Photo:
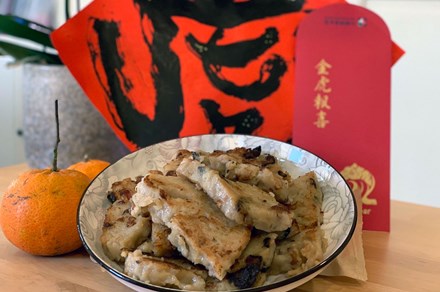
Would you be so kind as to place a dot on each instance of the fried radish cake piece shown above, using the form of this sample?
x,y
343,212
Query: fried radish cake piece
x,y
121,230
158,244
298,253
250,268
123,190
240,202
175,273
199,230
306,200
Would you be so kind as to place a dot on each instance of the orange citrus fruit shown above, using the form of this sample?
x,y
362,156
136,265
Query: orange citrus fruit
x,y
91,168
38,211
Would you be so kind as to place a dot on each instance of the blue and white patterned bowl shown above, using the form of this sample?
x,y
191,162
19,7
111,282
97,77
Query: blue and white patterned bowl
x,y
339,204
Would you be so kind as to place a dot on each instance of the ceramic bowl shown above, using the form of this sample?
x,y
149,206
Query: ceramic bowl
x,y
338,206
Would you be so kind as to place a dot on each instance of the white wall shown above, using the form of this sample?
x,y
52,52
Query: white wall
x,y
415,162
12,148
73,9
415,25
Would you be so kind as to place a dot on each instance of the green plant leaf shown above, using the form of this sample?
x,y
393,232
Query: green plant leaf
x,y
25,29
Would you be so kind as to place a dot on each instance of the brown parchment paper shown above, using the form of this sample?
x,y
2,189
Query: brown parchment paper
x,y
351,261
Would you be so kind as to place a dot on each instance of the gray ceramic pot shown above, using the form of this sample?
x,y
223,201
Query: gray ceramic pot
x,y
83,131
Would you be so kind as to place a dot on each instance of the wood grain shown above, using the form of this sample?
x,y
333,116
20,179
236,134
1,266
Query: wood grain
x,y
406,259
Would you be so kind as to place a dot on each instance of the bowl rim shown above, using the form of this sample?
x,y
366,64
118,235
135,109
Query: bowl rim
x,y
267,287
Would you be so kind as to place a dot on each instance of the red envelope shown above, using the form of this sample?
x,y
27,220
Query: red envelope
x,y
342,100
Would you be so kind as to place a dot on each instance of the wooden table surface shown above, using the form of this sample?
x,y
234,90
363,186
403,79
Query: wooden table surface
x,y
407,259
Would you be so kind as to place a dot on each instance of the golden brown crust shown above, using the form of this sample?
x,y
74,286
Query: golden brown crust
x,y
123,190
306,199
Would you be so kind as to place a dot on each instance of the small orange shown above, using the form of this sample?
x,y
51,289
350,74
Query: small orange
x,y
38,211
91,168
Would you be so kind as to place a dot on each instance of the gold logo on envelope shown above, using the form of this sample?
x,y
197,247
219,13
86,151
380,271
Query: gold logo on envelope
x,y
361,181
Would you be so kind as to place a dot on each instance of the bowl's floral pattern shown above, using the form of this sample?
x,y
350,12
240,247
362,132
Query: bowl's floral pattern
x,y
338,206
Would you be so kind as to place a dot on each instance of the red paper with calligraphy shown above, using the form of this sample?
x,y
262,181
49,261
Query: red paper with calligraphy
x,y
160,69
342,101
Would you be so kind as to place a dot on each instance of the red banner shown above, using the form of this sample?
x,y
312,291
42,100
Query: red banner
x,y
161,69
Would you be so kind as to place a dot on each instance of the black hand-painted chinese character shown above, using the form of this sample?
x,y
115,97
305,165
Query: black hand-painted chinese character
x,y
169,112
